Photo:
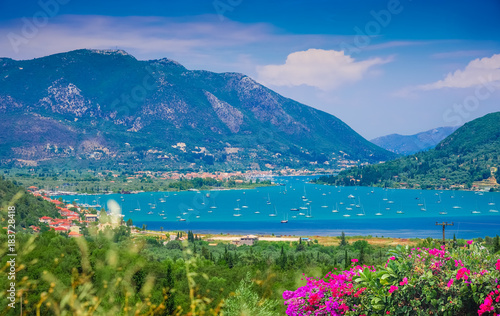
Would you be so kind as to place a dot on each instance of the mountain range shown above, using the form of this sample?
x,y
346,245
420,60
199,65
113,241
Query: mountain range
x,y
410,144
106,107
468,158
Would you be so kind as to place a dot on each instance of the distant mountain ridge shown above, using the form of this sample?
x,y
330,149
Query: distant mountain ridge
x,y
411,144
105,106
468,158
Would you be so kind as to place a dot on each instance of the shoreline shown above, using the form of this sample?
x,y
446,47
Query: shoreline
x,y
137,192
392,188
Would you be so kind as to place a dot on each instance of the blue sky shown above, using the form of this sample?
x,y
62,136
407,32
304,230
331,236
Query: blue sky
x,y
381,66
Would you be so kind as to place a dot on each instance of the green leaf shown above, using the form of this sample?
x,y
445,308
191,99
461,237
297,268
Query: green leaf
x,y
378,307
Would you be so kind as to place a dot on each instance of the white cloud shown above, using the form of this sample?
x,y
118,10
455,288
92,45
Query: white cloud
x,y
480,71
144,37
323,69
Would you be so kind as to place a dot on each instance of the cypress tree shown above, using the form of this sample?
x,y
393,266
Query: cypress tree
x,y
343,242
170,302
346,264
362,255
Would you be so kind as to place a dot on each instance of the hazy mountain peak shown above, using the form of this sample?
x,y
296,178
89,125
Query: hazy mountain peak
x,y
109,52
410,144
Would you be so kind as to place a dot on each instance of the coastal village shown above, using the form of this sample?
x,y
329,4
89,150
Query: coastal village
x,y
72,216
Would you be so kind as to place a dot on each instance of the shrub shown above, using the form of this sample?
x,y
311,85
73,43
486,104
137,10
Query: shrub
x,y
416,281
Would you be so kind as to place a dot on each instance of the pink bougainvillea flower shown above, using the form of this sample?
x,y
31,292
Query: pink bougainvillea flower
x,y
354,260
497,265
450,283
393,288
404,282
463,273
469,242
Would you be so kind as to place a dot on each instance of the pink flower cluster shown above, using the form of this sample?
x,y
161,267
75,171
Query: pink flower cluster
x,y
489,301
463,273
325,296
338,294
393,288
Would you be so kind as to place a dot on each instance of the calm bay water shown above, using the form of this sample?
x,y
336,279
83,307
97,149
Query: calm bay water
x,y
359,210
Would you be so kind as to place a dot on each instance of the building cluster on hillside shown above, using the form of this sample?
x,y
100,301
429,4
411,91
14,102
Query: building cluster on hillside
x,y
221,175
72,216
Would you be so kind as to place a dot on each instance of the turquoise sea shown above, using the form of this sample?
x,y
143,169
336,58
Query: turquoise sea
x,y
322,210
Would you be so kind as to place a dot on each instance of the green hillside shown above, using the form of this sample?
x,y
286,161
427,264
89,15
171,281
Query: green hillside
x,y
469,157
28,208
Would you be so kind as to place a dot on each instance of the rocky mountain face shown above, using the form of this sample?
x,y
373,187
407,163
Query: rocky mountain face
x,y
93,105
411,144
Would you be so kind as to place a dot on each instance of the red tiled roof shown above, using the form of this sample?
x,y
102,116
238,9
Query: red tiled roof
x,y
59,228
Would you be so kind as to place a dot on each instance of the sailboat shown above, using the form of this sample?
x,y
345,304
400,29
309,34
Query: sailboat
x,y
268,200
476,210
309,215
424,208
237,208
304,197
245,206
138,207
275,213
213,207
362,212
336,209
285,219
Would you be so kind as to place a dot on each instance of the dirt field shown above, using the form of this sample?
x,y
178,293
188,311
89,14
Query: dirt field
x,y
323,240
